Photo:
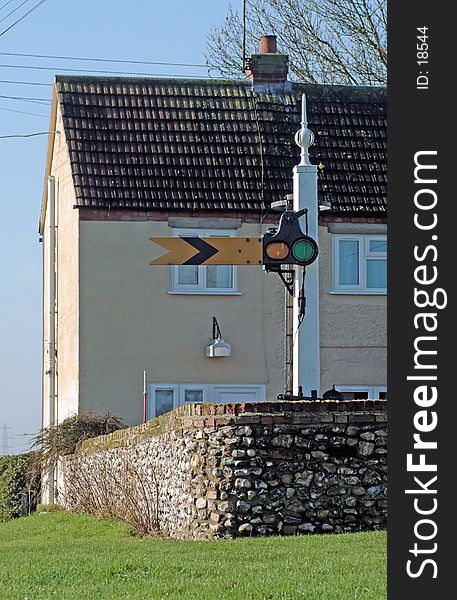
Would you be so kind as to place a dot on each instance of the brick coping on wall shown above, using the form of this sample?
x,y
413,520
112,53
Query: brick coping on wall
x,y
195,416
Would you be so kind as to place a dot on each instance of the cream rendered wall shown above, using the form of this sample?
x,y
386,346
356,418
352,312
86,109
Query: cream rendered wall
x,y
119,307
353,330
130,323
67,283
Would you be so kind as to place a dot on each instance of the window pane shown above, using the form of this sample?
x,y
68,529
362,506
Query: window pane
x,y
188,275
377,274
219,277
349,262
164,401
193,395
360,395
378,245
355,395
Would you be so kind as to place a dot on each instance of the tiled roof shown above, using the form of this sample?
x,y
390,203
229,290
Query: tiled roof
x,y
160,144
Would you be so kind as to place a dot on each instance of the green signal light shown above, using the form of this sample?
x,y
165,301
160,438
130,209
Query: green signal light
x,y
303,250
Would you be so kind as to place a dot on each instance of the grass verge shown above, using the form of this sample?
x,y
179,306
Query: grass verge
x,y
59,556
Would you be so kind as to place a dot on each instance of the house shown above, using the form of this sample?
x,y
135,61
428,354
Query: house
x,y
131,158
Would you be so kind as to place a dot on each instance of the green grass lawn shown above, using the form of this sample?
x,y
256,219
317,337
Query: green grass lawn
x,y
66,557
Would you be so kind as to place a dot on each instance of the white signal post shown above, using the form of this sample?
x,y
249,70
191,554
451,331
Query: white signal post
x,y
306,354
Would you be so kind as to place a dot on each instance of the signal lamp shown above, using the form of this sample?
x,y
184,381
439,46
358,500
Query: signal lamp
x,y
277,250
288,245
304,249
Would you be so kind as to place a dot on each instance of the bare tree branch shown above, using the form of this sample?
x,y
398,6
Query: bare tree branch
x,y
328,41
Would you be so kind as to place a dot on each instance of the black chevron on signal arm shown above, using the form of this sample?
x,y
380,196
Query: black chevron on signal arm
x,y
205,250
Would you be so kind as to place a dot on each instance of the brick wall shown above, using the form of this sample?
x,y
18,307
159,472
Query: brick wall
x,y
226,470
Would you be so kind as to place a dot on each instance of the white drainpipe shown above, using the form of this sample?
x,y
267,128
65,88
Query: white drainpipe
x,y
51,345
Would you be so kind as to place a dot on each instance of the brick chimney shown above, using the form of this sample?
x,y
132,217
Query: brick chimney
x,y
268,69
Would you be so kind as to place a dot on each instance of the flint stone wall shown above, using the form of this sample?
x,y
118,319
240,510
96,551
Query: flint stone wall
x,y
255,469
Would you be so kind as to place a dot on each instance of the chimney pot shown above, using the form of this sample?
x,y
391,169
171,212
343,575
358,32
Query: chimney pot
x,y
268,44
268,69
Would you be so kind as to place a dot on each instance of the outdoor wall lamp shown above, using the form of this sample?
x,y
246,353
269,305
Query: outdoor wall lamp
x,y
218,347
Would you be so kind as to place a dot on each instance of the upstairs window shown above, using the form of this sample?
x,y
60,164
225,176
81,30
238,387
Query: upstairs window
x,y
360,264
204,279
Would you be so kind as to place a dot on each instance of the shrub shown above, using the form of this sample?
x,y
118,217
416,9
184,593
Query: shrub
x,y
66,437
113,485
19,485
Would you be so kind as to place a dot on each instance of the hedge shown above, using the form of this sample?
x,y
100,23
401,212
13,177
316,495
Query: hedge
x,y
17,486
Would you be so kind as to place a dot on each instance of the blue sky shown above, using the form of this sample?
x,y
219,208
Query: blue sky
x,y
171,31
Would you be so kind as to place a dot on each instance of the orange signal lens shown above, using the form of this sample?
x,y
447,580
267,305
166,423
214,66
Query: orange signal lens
x,y
277,251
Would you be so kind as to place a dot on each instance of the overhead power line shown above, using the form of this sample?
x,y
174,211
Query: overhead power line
x,y
6,4
104,72
26,82
105,60
26,135
23,17
14,10
23,112
27,99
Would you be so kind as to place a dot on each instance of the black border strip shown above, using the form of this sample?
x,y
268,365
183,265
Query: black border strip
x,y
421,126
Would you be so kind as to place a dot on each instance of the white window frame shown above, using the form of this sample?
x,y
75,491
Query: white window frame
x,y
373,390
192,386
152,388
259,391
201,287
364,255
211,393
